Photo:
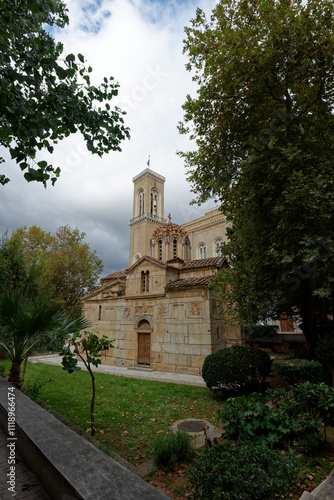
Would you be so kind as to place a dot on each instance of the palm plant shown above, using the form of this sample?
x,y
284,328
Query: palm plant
x,y
24,324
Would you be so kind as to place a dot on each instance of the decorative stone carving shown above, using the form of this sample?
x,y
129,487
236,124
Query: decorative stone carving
x,y
144,309
195,309
162,311
126,313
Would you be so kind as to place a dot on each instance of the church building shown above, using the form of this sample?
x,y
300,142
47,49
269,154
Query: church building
x,y
160,312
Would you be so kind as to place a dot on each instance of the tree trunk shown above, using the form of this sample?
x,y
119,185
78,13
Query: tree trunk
x,y
14,375
308,314
92,419
24,369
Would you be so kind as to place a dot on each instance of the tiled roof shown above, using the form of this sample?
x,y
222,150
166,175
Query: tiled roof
x,y
114,276
150,259
204,280
168,229
210,262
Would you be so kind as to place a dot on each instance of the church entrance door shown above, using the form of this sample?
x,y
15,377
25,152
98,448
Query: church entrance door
x,y
144,348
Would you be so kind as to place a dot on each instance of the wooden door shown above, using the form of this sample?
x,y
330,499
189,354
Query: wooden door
x,y
144,348
286,324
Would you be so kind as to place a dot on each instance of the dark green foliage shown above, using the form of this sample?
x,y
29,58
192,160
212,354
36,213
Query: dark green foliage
x,y
237,368
172,449
274,420
15,272
33,388
262,119
244,472
298,370
259,331
324,351
305,354
281,418
325,354
318,399
47,95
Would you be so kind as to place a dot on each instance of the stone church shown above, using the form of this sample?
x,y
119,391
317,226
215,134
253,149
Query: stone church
x,y
160,311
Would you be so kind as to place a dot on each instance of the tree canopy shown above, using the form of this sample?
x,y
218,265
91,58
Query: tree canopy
x,y
67,267
263,124
16,273
45,95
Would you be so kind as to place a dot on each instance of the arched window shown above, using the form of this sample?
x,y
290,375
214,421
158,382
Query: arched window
x,y
154,202
174,248
145,281
160,249
186,250
218,247
202,251
141,202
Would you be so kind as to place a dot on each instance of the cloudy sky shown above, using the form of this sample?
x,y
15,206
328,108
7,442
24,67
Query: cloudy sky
x,y
139,42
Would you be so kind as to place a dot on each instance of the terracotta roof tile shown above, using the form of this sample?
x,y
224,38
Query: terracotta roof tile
x,y
204,280
210,262
114,276
168,229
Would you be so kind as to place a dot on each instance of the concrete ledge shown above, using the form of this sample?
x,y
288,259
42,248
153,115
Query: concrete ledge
x,y
68,466
325,490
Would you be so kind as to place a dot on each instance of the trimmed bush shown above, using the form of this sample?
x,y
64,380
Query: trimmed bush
x,y
260,331
232,472
172,449
237,368
298,370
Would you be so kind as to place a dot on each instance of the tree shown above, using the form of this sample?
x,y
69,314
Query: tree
x,y
23,325
46,96
264,127
69,267
87,347
15,272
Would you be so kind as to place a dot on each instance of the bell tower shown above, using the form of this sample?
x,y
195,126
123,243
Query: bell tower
x,y
148,212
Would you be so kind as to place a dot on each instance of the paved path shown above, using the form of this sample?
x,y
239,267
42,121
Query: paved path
x,y
134,372
27,485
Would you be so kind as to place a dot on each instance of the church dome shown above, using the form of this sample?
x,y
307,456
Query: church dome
x,y
168,229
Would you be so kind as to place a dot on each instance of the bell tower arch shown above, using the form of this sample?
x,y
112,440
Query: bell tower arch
x,y
148,211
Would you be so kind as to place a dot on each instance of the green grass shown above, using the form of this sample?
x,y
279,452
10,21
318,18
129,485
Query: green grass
x,y
130,413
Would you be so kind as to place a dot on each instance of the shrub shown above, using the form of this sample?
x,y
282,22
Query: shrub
x,y
172,449
237,368
298,370
259,331
318,399
33,388
276,419
305,354
325,354
232,472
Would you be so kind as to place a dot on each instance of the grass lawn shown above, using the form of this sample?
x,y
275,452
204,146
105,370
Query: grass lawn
x,y
129,412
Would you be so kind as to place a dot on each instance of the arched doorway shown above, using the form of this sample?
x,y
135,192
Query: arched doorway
x,y
144,343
